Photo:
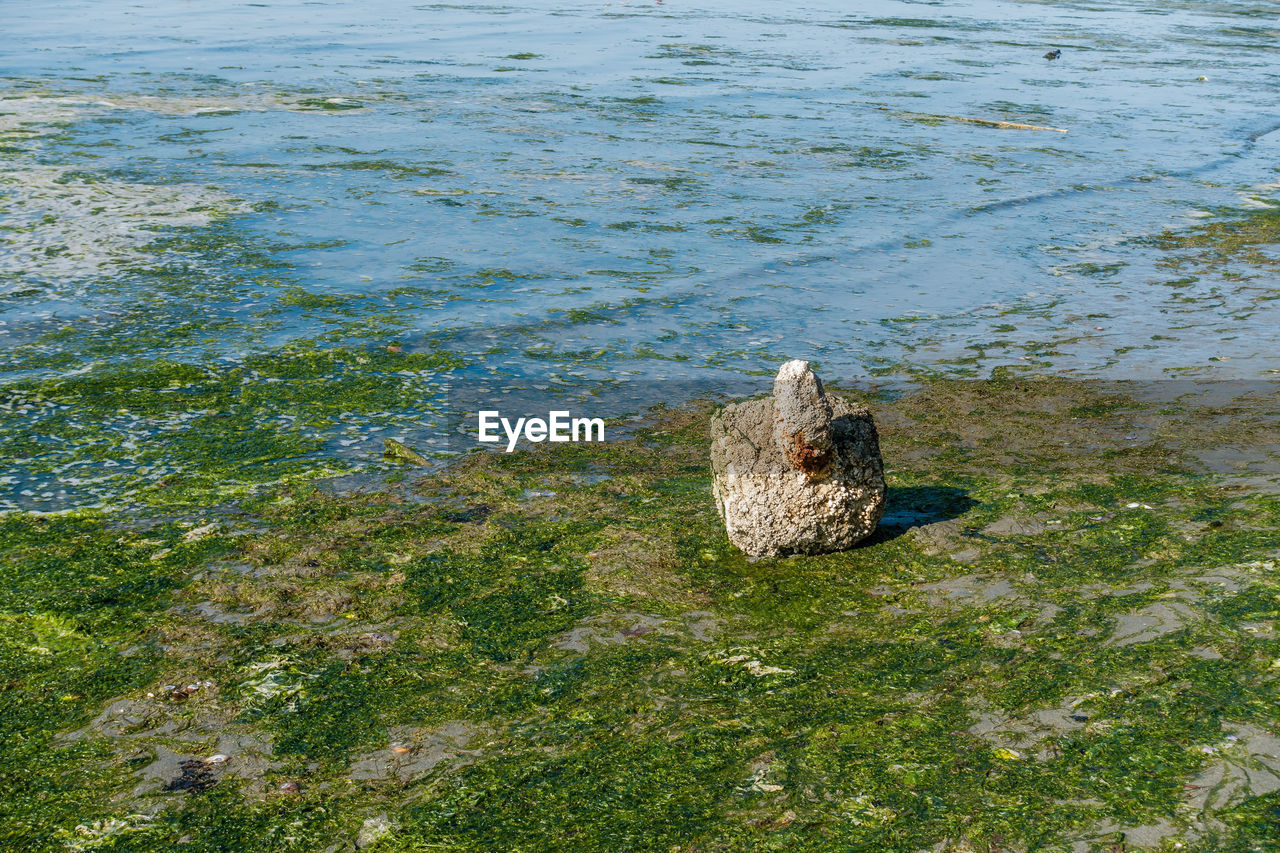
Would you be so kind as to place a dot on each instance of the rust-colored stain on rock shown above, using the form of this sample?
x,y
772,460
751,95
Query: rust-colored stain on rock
x,y
807,458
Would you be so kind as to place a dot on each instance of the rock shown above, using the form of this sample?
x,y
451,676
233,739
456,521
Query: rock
x,y
938,538
398,451
1014,526
194,776
797,473
802,420
373,830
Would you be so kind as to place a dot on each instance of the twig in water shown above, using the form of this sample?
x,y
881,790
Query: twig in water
x,y
1012,125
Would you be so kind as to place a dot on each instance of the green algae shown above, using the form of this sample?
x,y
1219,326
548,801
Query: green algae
x,y
400,452
90,421
169,433
1224,244
78,597
611,674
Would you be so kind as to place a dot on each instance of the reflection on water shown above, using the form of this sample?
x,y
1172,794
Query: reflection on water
x,y
685,190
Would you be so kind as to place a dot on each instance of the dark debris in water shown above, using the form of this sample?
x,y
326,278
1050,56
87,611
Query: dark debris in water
x,y
196,776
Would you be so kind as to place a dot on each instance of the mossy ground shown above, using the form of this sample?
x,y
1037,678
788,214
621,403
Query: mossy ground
x,y
1064,631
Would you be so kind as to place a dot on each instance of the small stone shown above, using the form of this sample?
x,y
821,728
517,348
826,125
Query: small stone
x,y
374,829
290,787
400,750
178,696
798,473
198,533
398,451
192,688
219,758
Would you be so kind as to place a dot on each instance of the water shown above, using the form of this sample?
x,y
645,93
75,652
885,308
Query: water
x,y
561,193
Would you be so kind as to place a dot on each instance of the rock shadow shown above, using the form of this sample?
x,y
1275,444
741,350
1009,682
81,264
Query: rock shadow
x,y
915,506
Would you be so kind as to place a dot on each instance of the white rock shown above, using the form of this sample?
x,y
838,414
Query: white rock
x,y
374,829
798,473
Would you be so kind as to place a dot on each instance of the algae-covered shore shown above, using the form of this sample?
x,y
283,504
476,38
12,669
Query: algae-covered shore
x,y
1064,633
1063,636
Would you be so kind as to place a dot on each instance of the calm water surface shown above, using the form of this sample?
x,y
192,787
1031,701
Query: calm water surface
x,y
684,190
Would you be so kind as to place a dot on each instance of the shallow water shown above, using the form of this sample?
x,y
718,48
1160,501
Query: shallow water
x,y
681,190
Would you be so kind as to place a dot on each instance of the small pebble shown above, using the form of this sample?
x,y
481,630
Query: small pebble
x,y
178,696
192,688
215,759
169,688
289,787
399,750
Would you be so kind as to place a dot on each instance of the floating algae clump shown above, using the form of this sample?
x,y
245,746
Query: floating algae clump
x,y
166,432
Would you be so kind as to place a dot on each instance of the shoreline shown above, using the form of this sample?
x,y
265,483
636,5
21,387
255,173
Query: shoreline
x,y
574,613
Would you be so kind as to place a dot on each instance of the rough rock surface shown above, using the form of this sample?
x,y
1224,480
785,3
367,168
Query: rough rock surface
x,y
797,473
802,419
